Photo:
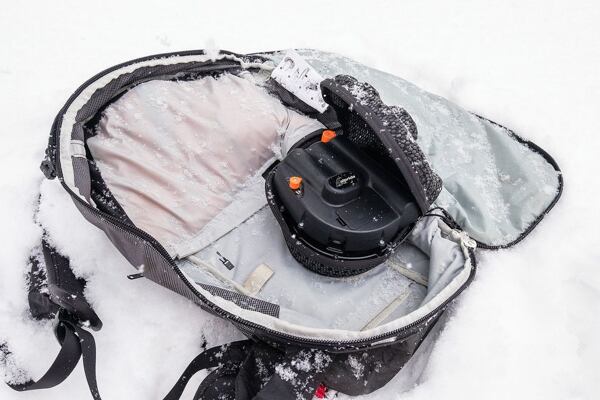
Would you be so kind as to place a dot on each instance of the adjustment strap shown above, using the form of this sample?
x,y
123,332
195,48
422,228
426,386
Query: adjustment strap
x,y
88,351
248,370
224,356
65,289
74,342
66,296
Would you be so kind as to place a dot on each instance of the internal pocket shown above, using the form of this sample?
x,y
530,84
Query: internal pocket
x,y
419,269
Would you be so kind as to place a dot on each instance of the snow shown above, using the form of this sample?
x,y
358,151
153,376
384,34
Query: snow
x,y
528,325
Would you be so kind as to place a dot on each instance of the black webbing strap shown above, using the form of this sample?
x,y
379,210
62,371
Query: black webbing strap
x,y
243,370
74,342
66,291
226,357
248,370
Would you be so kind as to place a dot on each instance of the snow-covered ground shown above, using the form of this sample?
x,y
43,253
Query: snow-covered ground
x,y
528,327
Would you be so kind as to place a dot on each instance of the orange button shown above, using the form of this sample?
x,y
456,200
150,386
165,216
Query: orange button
x,y
295,182
328,135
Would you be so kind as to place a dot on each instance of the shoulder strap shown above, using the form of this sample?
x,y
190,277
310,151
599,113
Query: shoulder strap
x,y
65,291
248,370
227,357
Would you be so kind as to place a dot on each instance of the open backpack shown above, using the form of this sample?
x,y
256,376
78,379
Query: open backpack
x,y
328,210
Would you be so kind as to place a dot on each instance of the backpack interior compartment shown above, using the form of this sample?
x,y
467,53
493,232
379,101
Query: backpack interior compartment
x,y
184,159
419,269
173,156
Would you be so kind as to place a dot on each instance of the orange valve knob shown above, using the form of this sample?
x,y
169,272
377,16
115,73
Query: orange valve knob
x,y
295,182
328,135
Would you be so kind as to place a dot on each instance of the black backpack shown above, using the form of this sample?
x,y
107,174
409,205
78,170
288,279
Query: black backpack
x,y
476,183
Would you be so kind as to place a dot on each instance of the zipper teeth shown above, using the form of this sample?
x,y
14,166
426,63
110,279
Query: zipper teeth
x,y
158,247
146,237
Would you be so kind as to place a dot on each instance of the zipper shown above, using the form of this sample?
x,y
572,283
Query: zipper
x,y
338,344
275,334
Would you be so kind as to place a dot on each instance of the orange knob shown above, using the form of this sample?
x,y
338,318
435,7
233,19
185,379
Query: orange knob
x,y
328,135
295,182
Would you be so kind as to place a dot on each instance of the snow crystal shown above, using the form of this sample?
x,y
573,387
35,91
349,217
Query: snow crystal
x,y
358,368
286,373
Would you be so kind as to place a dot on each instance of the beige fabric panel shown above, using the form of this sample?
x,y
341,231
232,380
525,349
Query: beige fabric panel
x,y
175,154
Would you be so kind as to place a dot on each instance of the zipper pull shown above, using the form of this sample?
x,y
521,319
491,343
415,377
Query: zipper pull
x,y
464,238
228,264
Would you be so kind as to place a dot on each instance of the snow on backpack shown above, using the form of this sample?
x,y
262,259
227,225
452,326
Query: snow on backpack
x,y
328,210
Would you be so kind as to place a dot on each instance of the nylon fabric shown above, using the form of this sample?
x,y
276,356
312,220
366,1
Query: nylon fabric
x,y
494,185
174,154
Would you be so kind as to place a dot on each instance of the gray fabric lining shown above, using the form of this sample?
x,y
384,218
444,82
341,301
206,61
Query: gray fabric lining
x,y
494,186
299,296
97,94
312,300
156,268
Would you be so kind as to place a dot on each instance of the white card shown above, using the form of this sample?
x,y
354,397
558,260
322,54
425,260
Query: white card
x,y
298,77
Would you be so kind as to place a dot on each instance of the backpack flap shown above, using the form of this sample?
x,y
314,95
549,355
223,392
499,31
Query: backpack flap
x,y
388,133
496,185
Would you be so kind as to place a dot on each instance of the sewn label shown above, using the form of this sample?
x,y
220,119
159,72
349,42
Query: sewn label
x,y
257,279
302,80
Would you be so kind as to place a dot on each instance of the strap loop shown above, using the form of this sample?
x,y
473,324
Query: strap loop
x,y
248,370
74,312
74,342
223,356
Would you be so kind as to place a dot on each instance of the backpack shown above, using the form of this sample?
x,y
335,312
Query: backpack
x,y
233,250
